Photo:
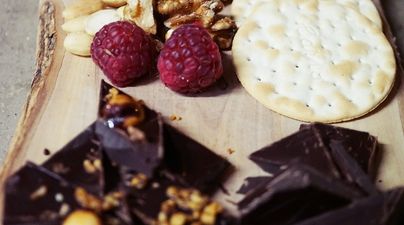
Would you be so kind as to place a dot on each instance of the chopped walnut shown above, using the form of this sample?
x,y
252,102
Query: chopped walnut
x,y
187,207
39,193
87,200
138,181
117,107
221,28
92,166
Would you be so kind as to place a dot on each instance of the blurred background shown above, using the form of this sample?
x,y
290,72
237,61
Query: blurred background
x,y
18,27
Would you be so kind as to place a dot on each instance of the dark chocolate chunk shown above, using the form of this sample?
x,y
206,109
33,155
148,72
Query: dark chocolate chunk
x,y
383,209
305,146
144,156
251,183
80,163
145,201
34,195
298,193
360,145
198,166
164,198
351,169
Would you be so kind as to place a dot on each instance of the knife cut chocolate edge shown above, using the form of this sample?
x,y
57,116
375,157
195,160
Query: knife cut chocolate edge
x,y
351,169
80,162
359,145
250,183
305,146
34,195
197,165
297,193
382,209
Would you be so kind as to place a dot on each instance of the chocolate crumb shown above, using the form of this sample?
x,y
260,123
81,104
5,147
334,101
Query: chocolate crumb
x,y
46,152
230,151
175,118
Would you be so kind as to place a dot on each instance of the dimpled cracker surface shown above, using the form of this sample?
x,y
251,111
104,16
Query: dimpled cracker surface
x,y
313,60
241,9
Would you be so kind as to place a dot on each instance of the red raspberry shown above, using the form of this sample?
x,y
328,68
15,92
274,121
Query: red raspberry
x,y
190,60
123,51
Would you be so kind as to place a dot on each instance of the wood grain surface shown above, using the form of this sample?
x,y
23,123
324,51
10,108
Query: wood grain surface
x,y
64,100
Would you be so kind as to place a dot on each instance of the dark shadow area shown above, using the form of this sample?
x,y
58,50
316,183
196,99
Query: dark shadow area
x,y
375,166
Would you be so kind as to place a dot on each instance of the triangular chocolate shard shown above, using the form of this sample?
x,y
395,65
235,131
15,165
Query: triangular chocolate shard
x,y
360,145
353,173
382,209
80,162
298,193
33,195
304,146
141,156
251,183
195,164
142,127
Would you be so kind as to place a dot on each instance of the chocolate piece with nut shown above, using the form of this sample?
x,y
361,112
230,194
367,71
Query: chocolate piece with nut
x,y
80,163
34,195
298,193
165,200
142,148
145,196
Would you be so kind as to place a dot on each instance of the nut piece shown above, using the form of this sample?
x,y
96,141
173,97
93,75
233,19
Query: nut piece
x,y
87,200
140,12
78,43
114,3
82,217
204,12
81,8
75,25
188,206
99,19
121,12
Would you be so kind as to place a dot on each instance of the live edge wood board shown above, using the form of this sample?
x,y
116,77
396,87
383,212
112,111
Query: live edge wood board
x,y
64,99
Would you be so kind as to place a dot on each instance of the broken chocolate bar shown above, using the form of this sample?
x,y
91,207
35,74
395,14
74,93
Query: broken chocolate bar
x,y
33,195
304,146
350,168
142,150
251,183
382,209
164,199
145,200
143,156
360,145
298,193
80,163
197,166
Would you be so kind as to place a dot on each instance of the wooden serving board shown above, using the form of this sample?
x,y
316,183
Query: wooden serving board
x,y
64,101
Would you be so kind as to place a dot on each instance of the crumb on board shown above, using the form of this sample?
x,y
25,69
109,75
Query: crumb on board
x,y
174,117
46,152
230,151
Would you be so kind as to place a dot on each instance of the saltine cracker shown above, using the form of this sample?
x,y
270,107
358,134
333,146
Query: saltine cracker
x,y
241,9
313,60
